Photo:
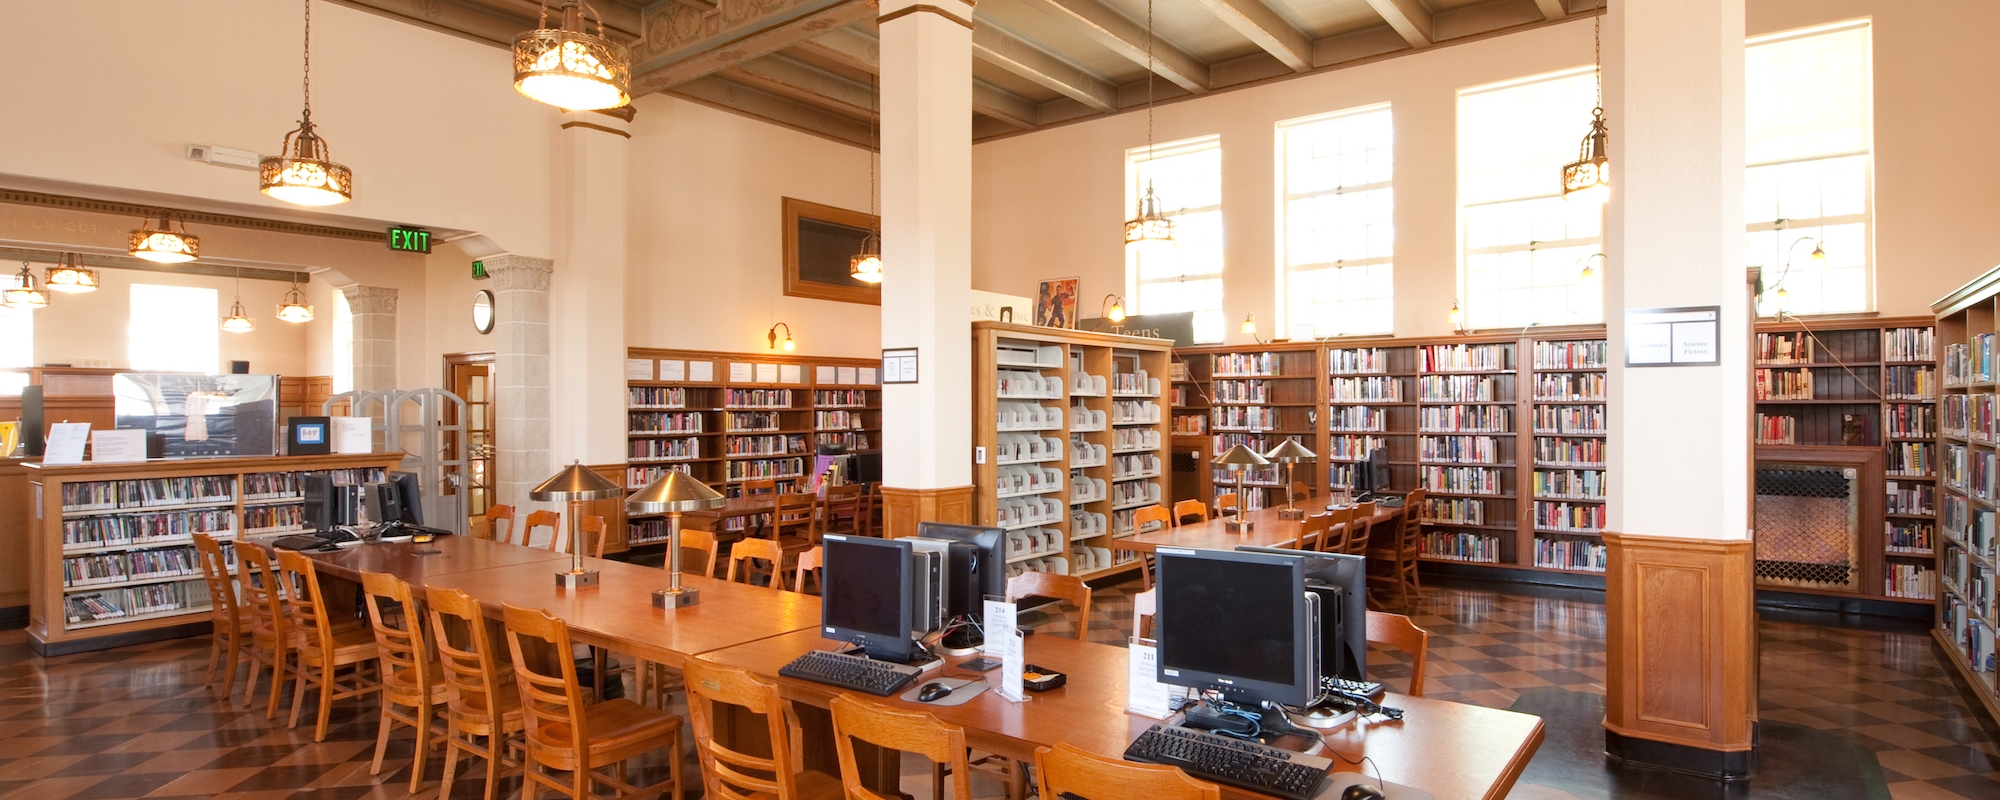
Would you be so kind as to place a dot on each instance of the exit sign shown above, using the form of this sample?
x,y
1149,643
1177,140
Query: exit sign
x,y
414,240
479,270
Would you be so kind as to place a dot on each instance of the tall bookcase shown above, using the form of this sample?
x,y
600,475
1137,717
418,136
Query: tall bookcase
x,y
112,551
1070,433
726,418
1256,397
1967,612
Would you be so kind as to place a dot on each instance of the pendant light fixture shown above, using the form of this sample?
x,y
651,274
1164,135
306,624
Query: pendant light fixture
x,y
294,309
866,266
161,244
567,67
70,276
1150,230
304,173
772,336
238,320
1588,179
24,294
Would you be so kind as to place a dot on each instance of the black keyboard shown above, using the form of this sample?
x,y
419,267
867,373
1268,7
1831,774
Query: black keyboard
x,y
1368,689
860,673
1238,763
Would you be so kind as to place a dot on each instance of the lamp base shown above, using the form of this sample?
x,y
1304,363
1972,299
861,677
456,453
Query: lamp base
x,y
1291,513
1240,526
676,598
576,580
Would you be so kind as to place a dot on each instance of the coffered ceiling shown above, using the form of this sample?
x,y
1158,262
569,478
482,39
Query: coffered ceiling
x,y
809,64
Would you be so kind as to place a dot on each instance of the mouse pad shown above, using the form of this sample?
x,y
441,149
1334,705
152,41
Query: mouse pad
x,y
1336,782
962,691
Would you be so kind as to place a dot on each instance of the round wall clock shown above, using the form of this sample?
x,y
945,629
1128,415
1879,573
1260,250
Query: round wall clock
x,y
482,311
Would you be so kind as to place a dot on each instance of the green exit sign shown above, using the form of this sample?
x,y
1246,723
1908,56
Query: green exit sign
x,y
413,240
479,270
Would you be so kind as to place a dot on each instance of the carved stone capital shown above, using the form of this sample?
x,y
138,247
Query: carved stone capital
x,y
370,299
512,272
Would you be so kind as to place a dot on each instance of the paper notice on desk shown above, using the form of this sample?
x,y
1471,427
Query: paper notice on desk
x,y
1145,695
638,369
113,447
65,443
1003,642
352,434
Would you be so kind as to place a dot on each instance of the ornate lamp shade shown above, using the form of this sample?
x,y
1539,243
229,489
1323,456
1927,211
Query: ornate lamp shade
x,y
238,320
306,174
161,244
1239,458
1588,179
70,276
866,266
1290,452
24,295
674,493
294,309
575,483
1151,229
570,69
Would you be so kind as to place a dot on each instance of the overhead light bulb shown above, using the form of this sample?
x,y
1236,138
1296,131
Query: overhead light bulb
x,y
1151,230
304,173
567,67
294,309
70,276
866,266
25,295
1818,254
238,320
162,244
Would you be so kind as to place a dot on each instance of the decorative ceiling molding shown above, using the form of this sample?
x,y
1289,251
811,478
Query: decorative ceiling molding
x,y
26,198
40,256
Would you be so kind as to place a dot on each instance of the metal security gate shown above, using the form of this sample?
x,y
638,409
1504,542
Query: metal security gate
x,y
1808,523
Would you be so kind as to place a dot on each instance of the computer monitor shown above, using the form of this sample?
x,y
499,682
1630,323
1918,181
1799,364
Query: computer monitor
x,y
1371,475
866,596
327,506
410,494
395,501
975,572
1343,632
1239,624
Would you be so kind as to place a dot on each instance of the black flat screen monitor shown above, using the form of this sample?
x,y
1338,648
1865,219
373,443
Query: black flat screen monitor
x,y
975,572
866,597
1236,623
1343,630
867,468
1371,475
409,495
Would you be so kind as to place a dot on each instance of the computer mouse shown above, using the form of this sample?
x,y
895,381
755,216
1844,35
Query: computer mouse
x,y
1362,791
933,692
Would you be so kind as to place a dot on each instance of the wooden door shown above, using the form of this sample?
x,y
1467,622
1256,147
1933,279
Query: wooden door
x,y
470,376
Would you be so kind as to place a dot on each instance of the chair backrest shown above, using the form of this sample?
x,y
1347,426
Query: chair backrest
x,y
1339,529
1361,529
303,603
810,564
1150,514
399,634
1060,587
215,573
558,536
497,514
1224,503
760,486
795,514
1412,537
546,673
261,598
896,729
471,667
767,549
593,535
1396,630
1190,508
840,510
698,539
729,774
1314,530
1300,491
870,498
1065,771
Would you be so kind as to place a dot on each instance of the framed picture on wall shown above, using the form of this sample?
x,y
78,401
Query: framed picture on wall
x,y
1055,303
820,242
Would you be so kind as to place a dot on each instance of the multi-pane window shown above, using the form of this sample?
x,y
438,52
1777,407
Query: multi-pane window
x,y
1337,235
173,329
343,344
1524,247
17,329
1808,99
1187,177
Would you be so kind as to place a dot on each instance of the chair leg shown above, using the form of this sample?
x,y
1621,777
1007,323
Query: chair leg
x,y
425,713
451,748
495,745
382,739
298,695
278,671
674,768
233,655
250,688
214,655
326,691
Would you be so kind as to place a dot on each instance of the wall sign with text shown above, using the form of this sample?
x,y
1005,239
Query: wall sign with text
x,y
1673,337
899,365
410,240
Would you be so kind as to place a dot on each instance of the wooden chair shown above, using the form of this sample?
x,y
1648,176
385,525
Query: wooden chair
x,y
1065,771
231,630
729,774
1397,558
271,639
1189,508
840,511
1300,491
411,676
757,488
1361,529
1339,529
1397,631
558,536
1225,503
1314,531
810,564
1061,587
703,541
871,504
563,734
761,550
795,518
896,729
593,535
323,650
498,514
876,510
1157,514
484,703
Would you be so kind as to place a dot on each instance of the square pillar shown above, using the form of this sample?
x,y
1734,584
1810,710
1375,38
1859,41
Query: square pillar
x,y
520,375
374,312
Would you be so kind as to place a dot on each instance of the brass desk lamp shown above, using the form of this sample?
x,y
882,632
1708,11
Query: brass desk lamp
x,y
1240,459
574,485
1290,453
674,494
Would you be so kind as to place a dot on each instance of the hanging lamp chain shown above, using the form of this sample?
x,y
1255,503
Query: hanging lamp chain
x,y
309,63
1149,80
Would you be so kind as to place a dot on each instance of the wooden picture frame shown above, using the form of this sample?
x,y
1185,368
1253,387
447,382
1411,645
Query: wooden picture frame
x,y
820,234
1055,303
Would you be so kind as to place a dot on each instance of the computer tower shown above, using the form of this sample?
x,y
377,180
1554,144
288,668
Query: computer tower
x,y
927,584
1332,658
385,502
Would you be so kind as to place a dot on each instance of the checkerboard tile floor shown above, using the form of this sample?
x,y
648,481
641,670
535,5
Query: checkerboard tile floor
x,y
139,721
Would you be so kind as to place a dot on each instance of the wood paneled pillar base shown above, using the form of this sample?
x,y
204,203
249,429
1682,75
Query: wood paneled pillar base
x,y
1681,654
904,508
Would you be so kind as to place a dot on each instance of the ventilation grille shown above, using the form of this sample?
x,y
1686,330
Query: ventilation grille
x,y
1807,523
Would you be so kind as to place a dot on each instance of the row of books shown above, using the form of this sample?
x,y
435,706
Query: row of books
x,y
1245,364
1190,424
1352,448
1133,467
655,397
1972,636
1462,480
1911,459
1571,419
781,445
1560,451
1471,419
1372,359
1355,418
1774,384
1563,516
148,492
1911,582
1479,548
1909,344
838,421
1909,383
134,601
1459,449
664,422
757,398
117,530
1973,530
1775,429
765,469
1459,388
830,398
1448,510
1570,484
1135,438
1911,421
260,520
1594,354
1380,390
1910,497
687,449
1569,386
1129,383
1786,348
1916,537
1577,554
757,421
852,442
1241,391
272,485
130,565
1464,357
641,477
1244,418
1969,363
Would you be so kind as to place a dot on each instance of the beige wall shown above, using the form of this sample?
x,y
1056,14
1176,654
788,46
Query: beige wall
x,y
1050,204
446,315
706,188
92,326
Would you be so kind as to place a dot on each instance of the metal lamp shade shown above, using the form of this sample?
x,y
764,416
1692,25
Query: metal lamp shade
x,y
675,493
575,483
1290,452
1239,457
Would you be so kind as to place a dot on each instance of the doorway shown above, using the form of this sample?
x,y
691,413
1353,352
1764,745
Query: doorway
x,y
470,376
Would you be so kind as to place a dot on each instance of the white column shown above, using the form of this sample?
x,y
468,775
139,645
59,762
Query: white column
x,y
927,239
520,375
374,310
587,297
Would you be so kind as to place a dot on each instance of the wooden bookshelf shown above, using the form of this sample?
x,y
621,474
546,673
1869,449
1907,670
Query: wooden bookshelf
x,y
111,553
1071,434
1967,434
1257,397
726,418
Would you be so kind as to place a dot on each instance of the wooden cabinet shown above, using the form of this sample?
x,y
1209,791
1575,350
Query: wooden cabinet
x,y
1968,488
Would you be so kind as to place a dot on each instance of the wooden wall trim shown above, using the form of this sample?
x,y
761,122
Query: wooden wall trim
x,y
1680,641
904,508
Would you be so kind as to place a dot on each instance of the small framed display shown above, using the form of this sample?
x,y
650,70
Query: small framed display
x,y
309,436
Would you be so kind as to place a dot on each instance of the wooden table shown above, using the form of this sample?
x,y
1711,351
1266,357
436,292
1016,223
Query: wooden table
x,y
1267,529
421,563
1452,750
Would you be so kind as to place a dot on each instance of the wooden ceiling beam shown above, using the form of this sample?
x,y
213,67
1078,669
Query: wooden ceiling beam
x,y
450,16
716,92
619,19
1003,50
1262,25
783,76
1410,19
681,45
847,46
1129,39
1005,106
